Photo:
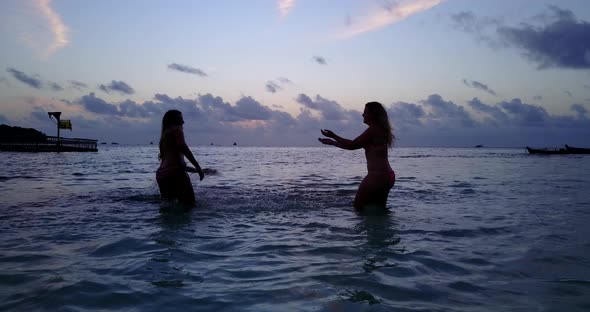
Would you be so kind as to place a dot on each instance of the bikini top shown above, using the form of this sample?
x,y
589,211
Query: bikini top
x,y
375,146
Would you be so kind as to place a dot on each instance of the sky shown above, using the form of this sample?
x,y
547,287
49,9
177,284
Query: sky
x,y
451,73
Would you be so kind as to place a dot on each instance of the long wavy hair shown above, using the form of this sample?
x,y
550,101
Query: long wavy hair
x,y
380,115
172,118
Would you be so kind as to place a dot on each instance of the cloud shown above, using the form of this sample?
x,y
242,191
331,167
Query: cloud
x,y
406,115
580,110
127,108
553,40
55,86
187,69
132,109
391,13
478,85
33,82
562,43
284,80
58,29
320,60
525,114
247,108
446,113
275,86
117,86
482,28
285,6
97,105
272,87
329,109
77,84
507,123
494,115
433,121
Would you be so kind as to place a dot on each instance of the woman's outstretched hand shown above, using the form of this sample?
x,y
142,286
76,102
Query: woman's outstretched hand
x,y
328,133
326,141
199,171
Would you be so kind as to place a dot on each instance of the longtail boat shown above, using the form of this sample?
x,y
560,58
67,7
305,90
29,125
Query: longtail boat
x,y
577,150
559,151
547,151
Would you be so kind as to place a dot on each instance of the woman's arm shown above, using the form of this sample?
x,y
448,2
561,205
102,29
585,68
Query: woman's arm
x,y
358,142
183,148
189,155
333,135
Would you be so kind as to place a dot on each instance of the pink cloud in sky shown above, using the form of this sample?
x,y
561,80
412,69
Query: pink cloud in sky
x,y
385,16
58,29
285,6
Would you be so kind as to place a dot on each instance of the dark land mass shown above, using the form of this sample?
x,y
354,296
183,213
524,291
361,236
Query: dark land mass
x,y
10,134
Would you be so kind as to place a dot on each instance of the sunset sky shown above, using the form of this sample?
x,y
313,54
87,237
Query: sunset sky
x,y
272,73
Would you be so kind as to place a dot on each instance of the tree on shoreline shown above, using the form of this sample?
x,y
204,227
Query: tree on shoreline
x,y
18,134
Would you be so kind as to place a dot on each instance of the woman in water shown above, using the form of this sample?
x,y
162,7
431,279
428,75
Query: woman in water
x,y
376,141
172,176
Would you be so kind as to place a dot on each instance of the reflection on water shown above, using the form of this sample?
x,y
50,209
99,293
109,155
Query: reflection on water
x,y
174,217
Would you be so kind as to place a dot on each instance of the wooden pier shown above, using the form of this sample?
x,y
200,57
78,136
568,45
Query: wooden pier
x,y
51,144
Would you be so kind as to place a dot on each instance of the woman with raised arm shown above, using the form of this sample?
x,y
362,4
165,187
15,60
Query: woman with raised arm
x,y
172,176
376,141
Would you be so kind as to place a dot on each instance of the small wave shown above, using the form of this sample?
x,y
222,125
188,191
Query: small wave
x,y
123,246
6,178
12,279
169,284
405,178
126,171
221,246
416,156
585,283
24,258
442,266
465,287
475,261
472,232
316,225
461,184
360,296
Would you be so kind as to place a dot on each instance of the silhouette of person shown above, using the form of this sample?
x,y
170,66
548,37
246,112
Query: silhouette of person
x,y
172,177
376,141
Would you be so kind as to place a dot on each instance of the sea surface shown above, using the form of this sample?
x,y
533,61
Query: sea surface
x,y
466,230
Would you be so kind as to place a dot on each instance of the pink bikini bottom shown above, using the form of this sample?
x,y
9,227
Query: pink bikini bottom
x,y
391,175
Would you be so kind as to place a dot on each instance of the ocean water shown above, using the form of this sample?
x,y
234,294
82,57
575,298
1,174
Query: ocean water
x,y
466,230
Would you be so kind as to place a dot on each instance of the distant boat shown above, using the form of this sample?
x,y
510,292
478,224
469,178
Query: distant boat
x,y
151,143
478,146
235,143
114,143
103,142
